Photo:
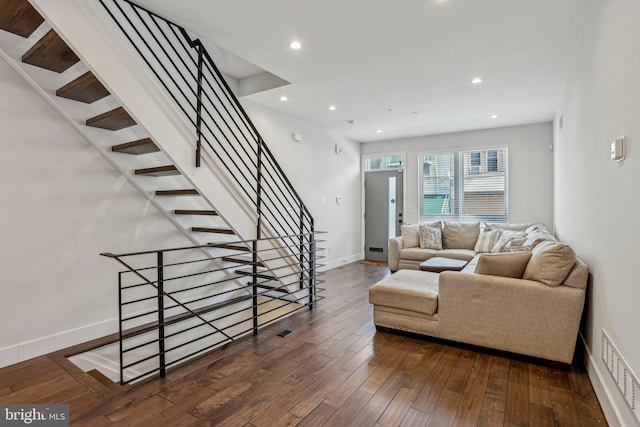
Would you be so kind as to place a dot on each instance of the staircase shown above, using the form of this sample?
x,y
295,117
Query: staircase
x,y
235,204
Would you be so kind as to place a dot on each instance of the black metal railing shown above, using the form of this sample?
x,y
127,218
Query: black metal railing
x,y
222,128
177,303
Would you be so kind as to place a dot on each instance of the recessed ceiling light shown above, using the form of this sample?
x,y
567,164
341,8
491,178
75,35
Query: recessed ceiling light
x,y
379,131
295,45
283,98
332,107
476,80
494,116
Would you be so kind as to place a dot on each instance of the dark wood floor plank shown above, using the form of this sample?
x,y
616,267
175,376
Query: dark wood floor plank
x,y
335,370
468,413
517,407
584,397
495,398
564,410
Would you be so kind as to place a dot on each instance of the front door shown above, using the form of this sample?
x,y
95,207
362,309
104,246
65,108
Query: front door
x,y
382,211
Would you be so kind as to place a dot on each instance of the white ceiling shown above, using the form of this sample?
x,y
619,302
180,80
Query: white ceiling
x,y
401,66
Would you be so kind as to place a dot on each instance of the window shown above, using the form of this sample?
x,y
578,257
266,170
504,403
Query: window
x,y
383,162
464,186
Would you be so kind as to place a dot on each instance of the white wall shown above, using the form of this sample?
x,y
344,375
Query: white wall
x,y
316,171
597,202
530,166
62,205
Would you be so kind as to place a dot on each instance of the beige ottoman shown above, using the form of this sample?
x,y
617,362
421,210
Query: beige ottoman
x,y
407,300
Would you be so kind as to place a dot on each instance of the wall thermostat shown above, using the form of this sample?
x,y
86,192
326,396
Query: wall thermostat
x,y
618,149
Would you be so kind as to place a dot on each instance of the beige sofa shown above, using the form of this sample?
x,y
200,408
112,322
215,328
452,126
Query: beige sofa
x,y
527,301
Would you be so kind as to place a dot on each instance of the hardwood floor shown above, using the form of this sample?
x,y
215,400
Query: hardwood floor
x,y
335,370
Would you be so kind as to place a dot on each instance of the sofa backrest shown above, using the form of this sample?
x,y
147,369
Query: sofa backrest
x,y
578,276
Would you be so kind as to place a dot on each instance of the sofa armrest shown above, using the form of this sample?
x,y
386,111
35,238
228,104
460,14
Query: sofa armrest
x,y
515,315
395,246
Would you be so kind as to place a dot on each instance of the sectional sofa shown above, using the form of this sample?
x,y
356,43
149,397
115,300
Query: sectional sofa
x,y
522,290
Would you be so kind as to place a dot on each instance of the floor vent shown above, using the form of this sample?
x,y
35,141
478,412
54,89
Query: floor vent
x,y
622,374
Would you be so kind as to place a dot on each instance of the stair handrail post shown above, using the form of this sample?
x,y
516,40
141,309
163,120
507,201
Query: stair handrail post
x,y
312,264
301,247
199,48
254,260
121,344
160,286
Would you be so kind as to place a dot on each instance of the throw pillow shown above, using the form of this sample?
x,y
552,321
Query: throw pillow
x,y
505,265
410,236
487,240
506,237
550,263
430,238
535,227
516,245
456,235
537,236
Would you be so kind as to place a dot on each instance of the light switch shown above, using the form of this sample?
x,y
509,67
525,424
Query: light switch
x,y
338,200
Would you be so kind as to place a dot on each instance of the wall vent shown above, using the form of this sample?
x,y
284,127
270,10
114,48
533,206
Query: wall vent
x,y
622,374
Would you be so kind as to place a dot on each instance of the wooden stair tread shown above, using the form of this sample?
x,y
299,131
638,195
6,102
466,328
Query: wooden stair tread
x,y
158,171
141,146
86,88
51,53
184,316
19,17
195,212
260,274
215,230
238,248
242,259
187,192
115,119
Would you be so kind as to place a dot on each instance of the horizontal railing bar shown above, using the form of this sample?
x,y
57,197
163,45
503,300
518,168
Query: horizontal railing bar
x,y
208,245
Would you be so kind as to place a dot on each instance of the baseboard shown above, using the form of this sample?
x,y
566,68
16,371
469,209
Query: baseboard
x,y
604,394
38,347
340,262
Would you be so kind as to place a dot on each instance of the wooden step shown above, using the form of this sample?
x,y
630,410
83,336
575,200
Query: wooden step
x,y
157,171
189,192
194,212
51,53
141,146
232,247
19,17
242,259
212,230
115,119
261,275
86,88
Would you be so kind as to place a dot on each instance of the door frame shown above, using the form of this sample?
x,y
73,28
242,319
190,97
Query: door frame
x,y
363,170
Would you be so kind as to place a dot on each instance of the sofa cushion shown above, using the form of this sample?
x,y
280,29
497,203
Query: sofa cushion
x,y
410,236
503,264
407,290
487,240
430,237
411,233
505,226
550,263
456,235
418,254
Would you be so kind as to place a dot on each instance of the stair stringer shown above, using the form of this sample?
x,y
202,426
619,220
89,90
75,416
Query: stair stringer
x,y
86,27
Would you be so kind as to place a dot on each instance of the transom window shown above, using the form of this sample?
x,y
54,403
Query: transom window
x,y
464,186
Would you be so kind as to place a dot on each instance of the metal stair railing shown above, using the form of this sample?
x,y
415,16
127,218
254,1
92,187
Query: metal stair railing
x,y
177,303
200,94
